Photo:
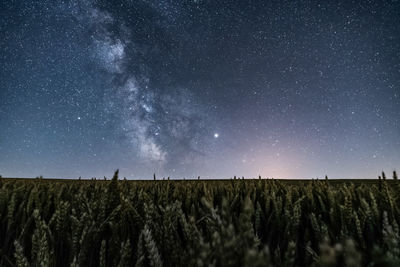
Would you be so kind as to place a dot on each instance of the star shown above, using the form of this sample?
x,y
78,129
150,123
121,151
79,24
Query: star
x,y
216,135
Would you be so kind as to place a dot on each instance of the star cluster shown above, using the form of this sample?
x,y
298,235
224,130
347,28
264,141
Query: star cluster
x,y
285,89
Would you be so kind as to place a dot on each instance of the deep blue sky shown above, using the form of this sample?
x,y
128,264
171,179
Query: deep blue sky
x,y
285,89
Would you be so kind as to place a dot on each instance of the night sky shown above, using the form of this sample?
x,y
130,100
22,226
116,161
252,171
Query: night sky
x,y
284,89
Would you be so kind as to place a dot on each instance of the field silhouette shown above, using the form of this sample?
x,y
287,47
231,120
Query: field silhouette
x,y
237,222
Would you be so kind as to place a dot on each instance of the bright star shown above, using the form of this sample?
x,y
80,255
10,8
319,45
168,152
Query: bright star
x,y
216,135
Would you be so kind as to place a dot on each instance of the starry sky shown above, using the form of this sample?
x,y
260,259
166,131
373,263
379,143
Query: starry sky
x,y
181,88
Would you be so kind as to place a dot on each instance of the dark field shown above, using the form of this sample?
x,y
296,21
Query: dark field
x,y
258,222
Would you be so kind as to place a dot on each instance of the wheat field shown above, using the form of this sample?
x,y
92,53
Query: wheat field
x,y
258,222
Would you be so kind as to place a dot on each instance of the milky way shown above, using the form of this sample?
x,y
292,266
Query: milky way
x,y
164,124
210,88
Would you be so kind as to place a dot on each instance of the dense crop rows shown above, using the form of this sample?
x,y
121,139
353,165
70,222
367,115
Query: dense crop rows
x,y
199,223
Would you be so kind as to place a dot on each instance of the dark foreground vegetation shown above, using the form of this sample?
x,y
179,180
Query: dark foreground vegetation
x,y
199,223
